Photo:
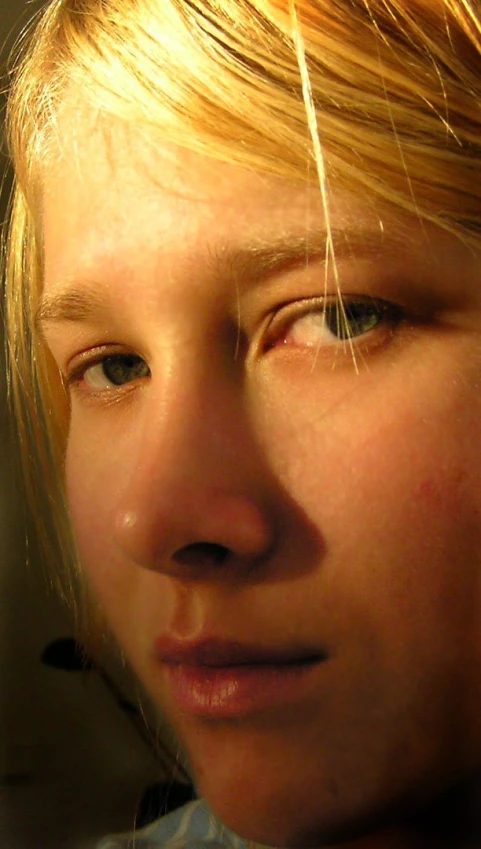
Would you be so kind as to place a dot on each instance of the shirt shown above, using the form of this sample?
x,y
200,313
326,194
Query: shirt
x,y
193,826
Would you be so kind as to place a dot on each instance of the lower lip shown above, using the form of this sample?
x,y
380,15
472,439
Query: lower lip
x,y
234,691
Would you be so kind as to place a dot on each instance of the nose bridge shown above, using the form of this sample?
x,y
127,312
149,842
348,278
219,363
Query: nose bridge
x,y
190,479
189,417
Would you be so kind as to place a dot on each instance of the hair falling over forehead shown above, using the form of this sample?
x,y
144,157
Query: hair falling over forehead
x,y
379,97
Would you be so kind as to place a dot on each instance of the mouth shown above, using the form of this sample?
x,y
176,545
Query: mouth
x,y
224,679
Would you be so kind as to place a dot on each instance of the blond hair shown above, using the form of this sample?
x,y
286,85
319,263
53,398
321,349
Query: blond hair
x,y
382,97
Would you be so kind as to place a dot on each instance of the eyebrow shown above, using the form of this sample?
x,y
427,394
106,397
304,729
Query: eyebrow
x,y
81,300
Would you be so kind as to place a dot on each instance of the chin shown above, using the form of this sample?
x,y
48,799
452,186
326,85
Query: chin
x,y
296,817
295,832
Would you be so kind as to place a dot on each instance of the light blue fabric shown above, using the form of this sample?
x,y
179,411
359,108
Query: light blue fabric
x,y
191,827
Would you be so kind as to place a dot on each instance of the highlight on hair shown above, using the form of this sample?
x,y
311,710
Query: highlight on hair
x,y
379,97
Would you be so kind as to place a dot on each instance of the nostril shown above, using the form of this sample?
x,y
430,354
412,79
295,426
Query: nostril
x,y
202,554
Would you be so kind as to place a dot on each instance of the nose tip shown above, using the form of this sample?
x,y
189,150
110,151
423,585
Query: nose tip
x,y
213,530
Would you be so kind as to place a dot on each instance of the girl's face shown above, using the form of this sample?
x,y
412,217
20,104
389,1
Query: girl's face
x,y
282,526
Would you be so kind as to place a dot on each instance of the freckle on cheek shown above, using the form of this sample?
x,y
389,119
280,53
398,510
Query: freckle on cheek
x,y
437,492
427,490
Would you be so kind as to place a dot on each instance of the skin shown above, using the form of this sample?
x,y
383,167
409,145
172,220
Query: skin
x,y
347,497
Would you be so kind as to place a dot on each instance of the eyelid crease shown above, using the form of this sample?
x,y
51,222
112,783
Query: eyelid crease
x,y
91,354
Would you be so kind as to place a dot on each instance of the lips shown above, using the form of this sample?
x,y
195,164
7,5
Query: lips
x,y
227,653
222,679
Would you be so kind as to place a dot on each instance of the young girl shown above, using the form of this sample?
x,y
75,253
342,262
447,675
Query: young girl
x,y
244,309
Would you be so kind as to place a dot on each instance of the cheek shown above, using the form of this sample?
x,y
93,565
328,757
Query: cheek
x,y
381,452
91,485
88,494
127,594
394,487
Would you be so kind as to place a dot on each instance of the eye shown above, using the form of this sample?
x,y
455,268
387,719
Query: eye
x,y
326,323
111,371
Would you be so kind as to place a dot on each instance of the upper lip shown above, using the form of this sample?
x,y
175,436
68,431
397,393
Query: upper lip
x,y
224,653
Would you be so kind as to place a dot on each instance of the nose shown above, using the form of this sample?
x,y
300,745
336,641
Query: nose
x,y
193,500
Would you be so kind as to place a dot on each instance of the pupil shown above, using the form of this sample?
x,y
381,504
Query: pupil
x,y
123,368
355,319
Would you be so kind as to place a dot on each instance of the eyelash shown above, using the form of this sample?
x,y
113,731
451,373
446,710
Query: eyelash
x,y
323,313
350,318
103,356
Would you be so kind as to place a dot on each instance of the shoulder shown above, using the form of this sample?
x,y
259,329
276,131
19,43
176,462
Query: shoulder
x,y
190,827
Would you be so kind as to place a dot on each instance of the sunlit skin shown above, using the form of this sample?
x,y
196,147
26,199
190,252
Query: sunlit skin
x,y
347,496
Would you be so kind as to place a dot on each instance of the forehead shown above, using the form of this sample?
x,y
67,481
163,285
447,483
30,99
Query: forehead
x,y
108,171
106,183
121,201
